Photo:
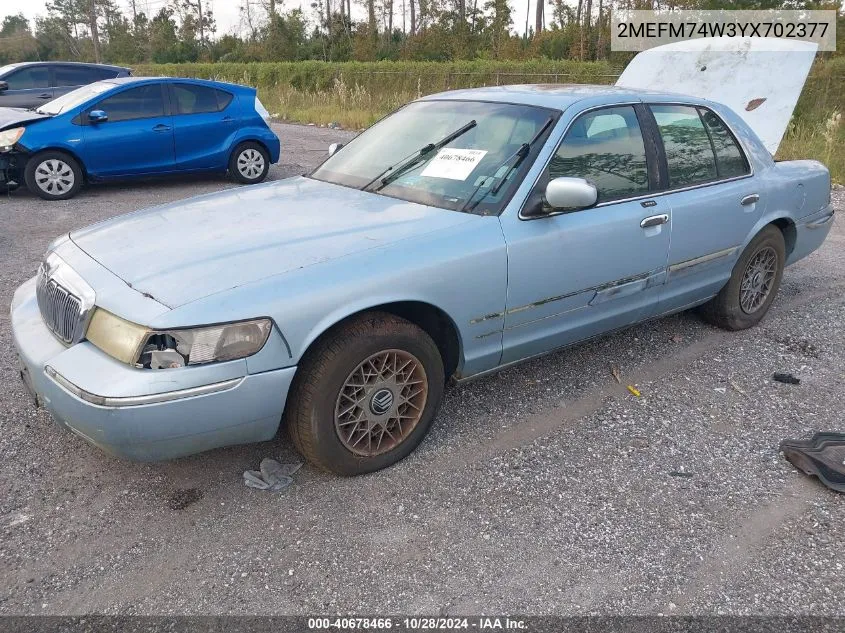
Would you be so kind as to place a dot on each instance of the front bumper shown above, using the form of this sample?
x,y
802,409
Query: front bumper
x,y
144,414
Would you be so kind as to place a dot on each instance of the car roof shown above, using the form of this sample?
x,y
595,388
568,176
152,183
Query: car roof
x,y
122,81
557,96
81,64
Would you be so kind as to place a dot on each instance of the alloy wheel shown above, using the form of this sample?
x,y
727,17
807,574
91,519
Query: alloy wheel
x,y
381,402
758,279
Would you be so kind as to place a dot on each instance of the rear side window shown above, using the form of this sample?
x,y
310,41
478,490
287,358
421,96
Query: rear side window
x,y
191,99
142,102
605,147
81,75
28,78
224,99
730,160
689,153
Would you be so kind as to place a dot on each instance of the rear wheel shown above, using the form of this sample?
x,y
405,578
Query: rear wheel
x,y
53,175
755,280
249,163
366,395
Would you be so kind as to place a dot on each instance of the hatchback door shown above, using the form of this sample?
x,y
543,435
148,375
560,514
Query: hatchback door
x,y
575,275
203,123
28,87
714,198
136,139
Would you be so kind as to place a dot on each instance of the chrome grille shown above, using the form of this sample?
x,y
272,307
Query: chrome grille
x,y
60,309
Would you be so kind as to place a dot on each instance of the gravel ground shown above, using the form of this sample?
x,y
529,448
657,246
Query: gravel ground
x,y
544,489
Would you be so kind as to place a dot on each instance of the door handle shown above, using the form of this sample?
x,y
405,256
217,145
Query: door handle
x,y
227,119
750,199
654,220
45,96
161,127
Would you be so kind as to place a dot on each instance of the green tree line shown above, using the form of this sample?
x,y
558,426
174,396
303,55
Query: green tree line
x,y
183,31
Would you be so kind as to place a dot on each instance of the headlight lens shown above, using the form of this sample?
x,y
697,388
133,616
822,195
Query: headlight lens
x,y
168,349
9,137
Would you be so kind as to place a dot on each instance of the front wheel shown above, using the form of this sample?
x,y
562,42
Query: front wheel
x,y
755,280
249,163
53,175
366,395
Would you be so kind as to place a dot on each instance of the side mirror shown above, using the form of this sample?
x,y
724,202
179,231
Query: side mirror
x,y
570,193
98,116
334,147
3,86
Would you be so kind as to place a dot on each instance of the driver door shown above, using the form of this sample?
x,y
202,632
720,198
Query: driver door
x,y
136,139
576,274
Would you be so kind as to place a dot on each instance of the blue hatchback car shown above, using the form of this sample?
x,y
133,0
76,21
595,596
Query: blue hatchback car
x,y
136,127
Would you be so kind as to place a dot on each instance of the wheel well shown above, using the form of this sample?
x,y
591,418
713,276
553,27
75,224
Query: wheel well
x,y
432,320
787,227
248,140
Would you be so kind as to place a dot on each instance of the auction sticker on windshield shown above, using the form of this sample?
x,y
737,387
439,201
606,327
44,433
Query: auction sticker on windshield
x,y
455,164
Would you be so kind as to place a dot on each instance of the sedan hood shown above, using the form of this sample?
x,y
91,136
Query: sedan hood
x,y
187,250
13,117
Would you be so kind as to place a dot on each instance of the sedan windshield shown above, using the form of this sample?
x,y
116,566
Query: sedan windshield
x,y
74,98
476,168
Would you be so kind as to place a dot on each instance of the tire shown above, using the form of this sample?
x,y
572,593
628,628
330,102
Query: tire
x,y
734,309
320,414
53,175
249,163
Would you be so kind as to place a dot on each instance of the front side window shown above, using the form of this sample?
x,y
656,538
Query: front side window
x,y
689,154
142,102
606,148
29,78
730,161
475,171
191,99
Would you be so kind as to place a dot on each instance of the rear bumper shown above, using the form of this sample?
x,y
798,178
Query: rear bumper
x,y
148,419
810,233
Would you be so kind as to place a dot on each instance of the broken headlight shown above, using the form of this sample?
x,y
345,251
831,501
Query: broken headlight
x,y
169,349
8,138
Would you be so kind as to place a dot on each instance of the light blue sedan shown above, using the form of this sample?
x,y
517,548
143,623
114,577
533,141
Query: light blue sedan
x,y
466,232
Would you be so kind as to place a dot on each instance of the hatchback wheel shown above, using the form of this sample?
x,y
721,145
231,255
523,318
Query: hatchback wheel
x,y
755,280
53,175
366,395
249,163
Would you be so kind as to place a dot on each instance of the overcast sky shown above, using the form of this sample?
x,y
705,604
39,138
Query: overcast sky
x,y
227,12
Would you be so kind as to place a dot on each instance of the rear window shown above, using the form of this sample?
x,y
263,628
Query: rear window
x,y
688,151
81,75
730,160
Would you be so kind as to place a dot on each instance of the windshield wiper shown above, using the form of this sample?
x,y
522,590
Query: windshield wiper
x,y
394,171
519,155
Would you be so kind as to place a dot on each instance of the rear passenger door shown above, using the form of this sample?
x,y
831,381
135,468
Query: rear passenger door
x,y
714,200
203,124
29,87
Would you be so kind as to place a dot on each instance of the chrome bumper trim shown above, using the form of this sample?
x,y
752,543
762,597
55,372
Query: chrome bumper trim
x,y
134,401
817,224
